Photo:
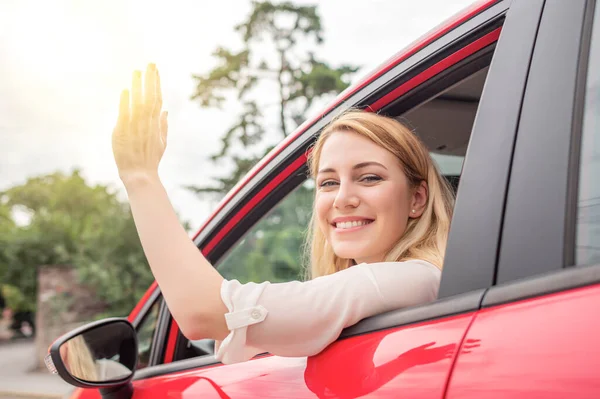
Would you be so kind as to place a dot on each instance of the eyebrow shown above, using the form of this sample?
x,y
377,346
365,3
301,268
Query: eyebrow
x,y
357,166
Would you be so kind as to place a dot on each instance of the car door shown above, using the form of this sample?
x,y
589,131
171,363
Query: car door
x,y
538,329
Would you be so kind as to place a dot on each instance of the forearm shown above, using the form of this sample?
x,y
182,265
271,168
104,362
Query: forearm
x,y
189,283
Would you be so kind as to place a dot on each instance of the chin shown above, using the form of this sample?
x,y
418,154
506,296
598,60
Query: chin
x,y
348,252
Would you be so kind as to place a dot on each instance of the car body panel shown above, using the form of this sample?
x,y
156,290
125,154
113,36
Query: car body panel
x,y
544,347
415,360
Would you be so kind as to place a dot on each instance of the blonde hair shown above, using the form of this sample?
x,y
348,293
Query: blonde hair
x,y
80,361
425,237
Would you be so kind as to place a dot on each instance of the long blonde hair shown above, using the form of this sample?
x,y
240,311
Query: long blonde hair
x,y
81,362
425,237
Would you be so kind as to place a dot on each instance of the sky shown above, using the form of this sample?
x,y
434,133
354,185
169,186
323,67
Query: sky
x,y
63,64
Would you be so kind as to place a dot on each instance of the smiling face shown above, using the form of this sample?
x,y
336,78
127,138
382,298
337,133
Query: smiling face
x,y
364,199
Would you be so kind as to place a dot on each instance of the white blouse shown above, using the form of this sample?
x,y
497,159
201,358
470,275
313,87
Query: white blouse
x,y
301,318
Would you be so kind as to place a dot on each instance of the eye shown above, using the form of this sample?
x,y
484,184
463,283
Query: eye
x,y
371,179
327,183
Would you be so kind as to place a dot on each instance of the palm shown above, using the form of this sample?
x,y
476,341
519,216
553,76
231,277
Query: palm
x,y
140,136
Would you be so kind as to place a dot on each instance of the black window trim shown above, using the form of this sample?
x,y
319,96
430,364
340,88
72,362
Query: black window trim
x,y
146,307
161,333
478,215
577,133
158,342
536,232
558,274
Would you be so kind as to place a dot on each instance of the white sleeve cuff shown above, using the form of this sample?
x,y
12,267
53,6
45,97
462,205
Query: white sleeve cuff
x,y
241,301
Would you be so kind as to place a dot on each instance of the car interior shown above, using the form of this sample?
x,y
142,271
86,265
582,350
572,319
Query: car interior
x,y
444,123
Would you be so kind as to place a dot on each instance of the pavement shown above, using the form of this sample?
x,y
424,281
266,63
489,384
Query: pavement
x,y
18,381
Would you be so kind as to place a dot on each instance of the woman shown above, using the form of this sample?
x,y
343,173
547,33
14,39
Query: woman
x,y
381,218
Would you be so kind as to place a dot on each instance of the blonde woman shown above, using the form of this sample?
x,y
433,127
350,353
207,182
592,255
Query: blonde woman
x,y
381,218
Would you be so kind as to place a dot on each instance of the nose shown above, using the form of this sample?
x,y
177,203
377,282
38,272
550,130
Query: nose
x,y
346,197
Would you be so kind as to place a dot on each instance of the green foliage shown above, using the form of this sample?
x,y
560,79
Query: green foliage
x,y
273,249
278,46
290,34
15,299
77,225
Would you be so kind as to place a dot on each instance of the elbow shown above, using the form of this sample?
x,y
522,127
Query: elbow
x,y
193,333
193,327
201,326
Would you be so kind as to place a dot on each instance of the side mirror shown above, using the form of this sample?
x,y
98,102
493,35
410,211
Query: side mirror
x,y
101,354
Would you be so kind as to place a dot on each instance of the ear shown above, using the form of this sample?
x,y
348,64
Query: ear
x,y
419,200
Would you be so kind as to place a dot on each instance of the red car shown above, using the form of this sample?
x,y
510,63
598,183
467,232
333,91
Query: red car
x,y
507,97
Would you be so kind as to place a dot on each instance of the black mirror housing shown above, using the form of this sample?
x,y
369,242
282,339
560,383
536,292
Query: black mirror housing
x,y
101,354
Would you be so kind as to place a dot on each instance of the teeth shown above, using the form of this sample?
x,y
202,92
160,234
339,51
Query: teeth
x,y
348,225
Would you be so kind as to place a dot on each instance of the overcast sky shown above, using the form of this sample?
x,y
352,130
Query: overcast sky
x,y
64,62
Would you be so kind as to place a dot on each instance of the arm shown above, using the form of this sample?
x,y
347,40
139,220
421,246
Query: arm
x,y
302,318
190,285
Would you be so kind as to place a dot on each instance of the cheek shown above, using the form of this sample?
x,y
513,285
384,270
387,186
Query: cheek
x,y
392,205
391,199
323,204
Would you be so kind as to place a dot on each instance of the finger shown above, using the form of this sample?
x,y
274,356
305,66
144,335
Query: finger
x,y
158,101
136,96
123,119
164,127
150,89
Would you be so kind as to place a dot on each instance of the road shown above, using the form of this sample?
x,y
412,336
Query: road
x,y
17,381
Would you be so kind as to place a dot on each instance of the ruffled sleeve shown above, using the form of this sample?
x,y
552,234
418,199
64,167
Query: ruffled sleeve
x,y
302,318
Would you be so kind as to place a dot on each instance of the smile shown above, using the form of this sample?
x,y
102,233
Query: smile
x,y
352,226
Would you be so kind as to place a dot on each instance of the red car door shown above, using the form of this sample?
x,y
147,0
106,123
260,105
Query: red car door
x,y
538,329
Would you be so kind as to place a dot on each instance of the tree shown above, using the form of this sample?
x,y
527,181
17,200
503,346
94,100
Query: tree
x,y
278,47
291,33
72,223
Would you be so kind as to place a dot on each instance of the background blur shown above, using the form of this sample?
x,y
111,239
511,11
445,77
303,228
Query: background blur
x,y
226,74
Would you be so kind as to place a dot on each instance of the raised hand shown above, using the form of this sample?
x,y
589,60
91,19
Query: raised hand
x,y
140,136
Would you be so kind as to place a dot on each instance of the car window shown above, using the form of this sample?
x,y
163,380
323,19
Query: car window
x,y
588,204
272,249
145,333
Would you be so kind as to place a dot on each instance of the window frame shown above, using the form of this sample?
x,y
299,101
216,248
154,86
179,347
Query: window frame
x,y
157,342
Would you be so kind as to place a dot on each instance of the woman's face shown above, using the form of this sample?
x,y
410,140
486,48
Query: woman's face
x,y
363,199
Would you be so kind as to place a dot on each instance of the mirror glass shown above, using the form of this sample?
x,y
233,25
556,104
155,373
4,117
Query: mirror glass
x,y
103,354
